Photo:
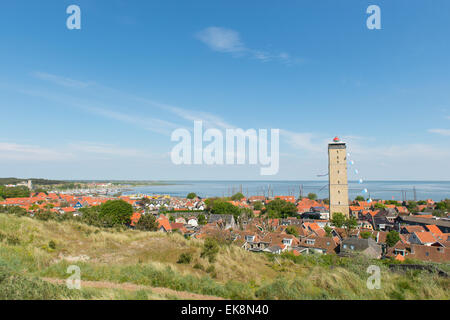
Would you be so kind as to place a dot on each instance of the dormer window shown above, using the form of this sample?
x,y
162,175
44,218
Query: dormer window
x,y
310,241
250,238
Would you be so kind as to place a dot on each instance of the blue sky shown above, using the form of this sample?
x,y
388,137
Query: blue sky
x,y
101,102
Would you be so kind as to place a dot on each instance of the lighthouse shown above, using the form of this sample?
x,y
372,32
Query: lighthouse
x,y
337,175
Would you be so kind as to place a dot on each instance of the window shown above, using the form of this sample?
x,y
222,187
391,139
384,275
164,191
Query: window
x,y
427,253
328,243
352,247
345,246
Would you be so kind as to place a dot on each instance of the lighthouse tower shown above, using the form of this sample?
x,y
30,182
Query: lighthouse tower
x,y
337,175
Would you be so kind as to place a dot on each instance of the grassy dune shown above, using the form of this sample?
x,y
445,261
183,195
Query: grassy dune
x,y
136,265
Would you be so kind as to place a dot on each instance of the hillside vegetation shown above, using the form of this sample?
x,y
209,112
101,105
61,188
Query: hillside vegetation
x,y
131,264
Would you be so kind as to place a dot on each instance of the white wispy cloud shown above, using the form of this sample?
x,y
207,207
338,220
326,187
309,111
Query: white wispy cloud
x,y
97,107
221,39
66,82
16,151
74,151
148,123
229,41
442,132
304,141
105,149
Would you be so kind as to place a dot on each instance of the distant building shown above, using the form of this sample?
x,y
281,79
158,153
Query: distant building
x,y
337,175
367,247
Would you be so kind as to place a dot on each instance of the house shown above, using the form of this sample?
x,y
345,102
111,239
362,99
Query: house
x,y
419,252
425,238
433,229
402,210
273,249
192,221
226,219
317,244
411,229
367,247
180,220
442,224
135,217
163,224
286,198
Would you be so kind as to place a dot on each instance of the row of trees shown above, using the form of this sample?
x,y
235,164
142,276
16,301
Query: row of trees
x,y
14,192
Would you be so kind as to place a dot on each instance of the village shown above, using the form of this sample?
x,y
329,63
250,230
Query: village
x,y
379,229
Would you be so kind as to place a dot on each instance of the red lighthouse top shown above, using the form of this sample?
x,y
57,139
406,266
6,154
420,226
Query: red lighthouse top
x,y
336,139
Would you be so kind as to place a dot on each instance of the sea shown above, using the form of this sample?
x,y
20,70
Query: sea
x,y
387,190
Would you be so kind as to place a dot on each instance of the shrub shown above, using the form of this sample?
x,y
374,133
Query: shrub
x,y
52,244
147,222
115,213
185,258
210,249
198,266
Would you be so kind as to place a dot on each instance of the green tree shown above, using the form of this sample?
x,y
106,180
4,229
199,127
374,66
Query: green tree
x,y
328,230
443,205
338,219
201,219
379,206
237,196
392,238
359,198
282,208
412,206
312,196
292,230
147,222
210,249
257,205
223,207
115,213
191,195
350,224
14,192
91,216
365,234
